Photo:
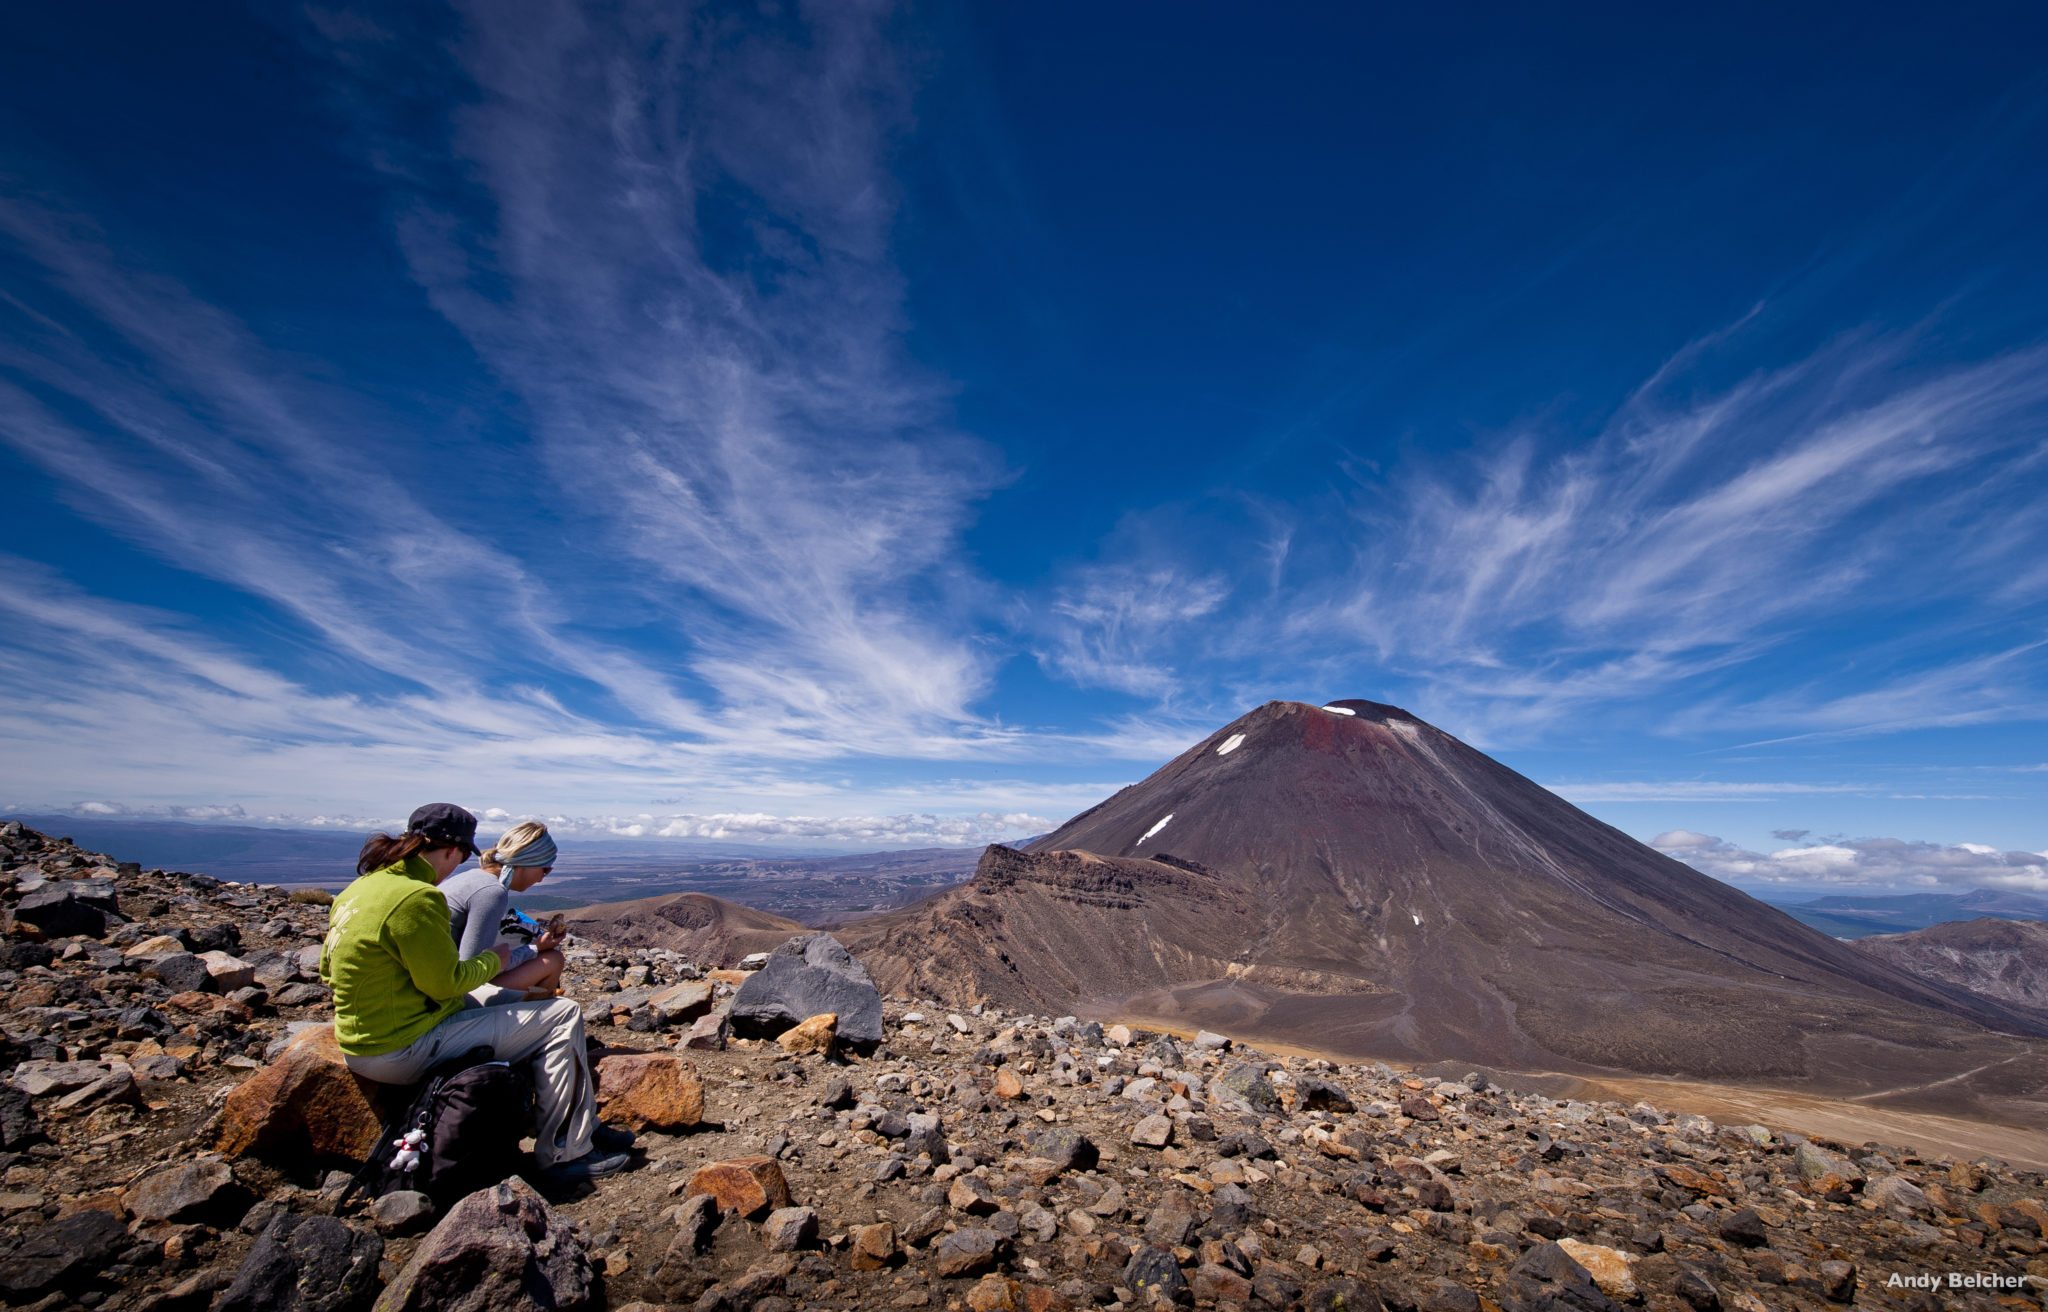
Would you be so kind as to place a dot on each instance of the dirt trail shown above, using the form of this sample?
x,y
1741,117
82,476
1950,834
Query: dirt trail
x,y
1836,1118
1936,1084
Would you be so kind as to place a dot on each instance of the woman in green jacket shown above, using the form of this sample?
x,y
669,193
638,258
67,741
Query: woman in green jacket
x,y
401,1002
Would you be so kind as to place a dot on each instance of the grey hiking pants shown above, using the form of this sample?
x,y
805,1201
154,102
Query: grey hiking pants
x,y
550,1031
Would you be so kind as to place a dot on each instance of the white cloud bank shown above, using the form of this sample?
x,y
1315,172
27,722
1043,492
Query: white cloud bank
x,y
868,831
1876,863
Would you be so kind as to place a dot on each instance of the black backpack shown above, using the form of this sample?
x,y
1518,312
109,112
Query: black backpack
x,y
460,1134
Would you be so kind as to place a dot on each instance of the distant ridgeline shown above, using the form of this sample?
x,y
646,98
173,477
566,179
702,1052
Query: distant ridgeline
x,y
1848,915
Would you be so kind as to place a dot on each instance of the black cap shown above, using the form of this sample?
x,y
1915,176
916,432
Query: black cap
x,y
444,824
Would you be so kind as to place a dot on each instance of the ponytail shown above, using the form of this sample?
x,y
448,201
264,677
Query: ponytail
x,y
381,850
488,859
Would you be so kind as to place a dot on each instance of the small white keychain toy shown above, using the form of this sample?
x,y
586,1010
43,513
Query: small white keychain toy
x,y
408,1155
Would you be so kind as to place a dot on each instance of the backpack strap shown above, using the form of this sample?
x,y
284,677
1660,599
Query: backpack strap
x,y
413,1115
387,1134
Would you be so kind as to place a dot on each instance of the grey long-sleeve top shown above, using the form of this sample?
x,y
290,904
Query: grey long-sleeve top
x,y
476,907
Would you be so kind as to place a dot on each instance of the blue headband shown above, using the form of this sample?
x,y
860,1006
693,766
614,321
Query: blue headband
x,y
540,852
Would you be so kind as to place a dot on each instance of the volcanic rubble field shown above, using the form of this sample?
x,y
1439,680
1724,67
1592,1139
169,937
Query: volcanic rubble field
x,y
986,1161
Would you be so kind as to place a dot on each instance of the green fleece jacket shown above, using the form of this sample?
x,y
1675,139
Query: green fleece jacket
x,y
391,961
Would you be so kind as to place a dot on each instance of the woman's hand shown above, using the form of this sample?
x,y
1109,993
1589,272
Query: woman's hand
x,y
550,939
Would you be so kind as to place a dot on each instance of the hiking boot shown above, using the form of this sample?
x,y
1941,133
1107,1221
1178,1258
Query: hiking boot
x,y
611,1139
591,1166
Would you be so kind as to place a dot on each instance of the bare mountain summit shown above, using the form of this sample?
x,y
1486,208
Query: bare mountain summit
x,y
1350,878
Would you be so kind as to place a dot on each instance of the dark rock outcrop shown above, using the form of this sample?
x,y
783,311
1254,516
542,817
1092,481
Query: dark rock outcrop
x,y
306,1264
803,978
67,1254
67,908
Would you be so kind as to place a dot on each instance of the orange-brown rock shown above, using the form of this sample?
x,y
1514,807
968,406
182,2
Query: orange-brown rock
x,y
997,1293
733,977
812,1037
307,1101
1611,1269
751,1186
207,1003
872,1247
1699,1182
1007,1085
649,1091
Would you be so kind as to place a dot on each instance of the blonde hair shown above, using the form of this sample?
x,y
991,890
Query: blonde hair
x,y
512,840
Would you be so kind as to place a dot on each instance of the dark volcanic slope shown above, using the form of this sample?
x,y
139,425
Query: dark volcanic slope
x,y
709,930
2005,960
1355,879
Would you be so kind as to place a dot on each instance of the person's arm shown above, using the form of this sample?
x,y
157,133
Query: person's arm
x,y
418,930
480,929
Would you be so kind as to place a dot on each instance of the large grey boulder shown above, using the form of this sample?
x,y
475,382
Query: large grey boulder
x,y
806,977
306,1264
501,1247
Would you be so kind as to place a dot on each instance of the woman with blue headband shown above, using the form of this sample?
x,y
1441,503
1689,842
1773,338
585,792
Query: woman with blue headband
x,y
478,900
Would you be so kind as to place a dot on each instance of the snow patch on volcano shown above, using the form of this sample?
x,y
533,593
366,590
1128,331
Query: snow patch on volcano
x,y
1156,828
1340,710
1230,744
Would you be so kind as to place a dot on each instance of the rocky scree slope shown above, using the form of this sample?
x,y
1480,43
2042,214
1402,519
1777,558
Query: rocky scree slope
x,y
976,1159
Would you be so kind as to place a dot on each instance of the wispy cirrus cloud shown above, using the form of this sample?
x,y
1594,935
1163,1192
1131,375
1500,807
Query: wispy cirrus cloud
x,y
119,703
1876,863
723,555
669,236
1124,627
1995,686
670,511
1692,534
1667,561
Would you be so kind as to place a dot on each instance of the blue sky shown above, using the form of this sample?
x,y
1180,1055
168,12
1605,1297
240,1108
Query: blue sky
x,y
904,424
